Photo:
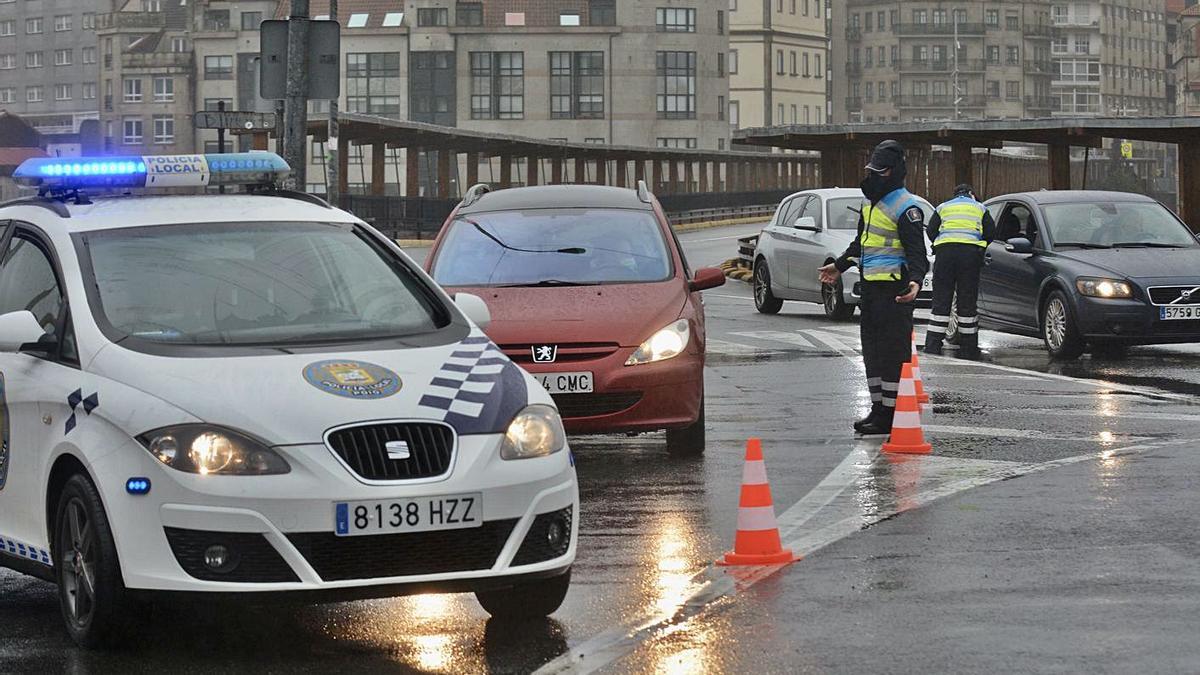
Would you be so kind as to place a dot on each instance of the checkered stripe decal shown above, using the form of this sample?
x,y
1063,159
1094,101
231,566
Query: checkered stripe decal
x,y
19,549
478,389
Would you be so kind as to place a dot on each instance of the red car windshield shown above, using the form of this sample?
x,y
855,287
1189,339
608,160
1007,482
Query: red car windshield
x,y
553,247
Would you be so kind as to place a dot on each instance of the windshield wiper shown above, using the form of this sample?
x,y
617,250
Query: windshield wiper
x,y
1080,244
550,282
573,250
1147,244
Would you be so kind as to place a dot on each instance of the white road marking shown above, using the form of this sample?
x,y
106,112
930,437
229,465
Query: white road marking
x,y
835,343
778,336
1116,415
887,495
984,376
730,297
736,348
994,432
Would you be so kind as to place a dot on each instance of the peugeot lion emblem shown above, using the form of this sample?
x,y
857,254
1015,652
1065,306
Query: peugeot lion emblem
x,y
545,353
397,450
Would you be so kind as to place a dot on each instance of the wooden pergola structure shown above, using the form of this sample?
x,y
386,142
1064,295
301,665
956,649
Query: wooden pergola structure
x,y
844,146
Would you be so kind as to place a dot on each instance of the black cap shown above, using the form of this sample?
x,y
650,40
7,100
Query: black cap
x,y
964,189
886,155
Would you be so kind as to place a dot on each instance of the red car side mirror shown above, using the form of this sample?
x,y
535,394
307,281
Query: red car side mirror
x,y
706,278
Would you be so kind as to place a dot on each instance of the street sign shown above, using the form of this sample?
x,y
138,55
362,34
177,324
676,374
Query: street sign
x,y
1126,150
232,119
323,62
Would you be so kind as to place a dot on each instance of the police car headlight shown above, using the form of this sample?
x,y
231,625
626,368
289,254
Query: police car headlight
x,y
1095,287
665,344
205,449
536,431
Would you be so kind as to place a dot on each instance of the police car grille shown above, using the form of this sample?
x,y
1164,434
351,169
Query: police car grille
x,y
396,555
362,448
1166,295
592,405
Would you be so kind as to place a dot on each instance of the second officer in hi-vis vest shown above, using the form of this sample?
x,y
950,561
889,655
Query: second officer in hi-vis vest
x,y
960,231
890,253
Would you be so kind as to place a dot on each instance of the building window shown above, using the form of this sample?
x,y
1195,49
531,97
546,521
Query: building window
x,y
33,26
733,62
62,92
89,55
8,95
993,89
8,61
373,83
34,94
358,20
132,130
164,89
602,12
216,19
676,97
720,22
794,70
497,85
214,104
62,57
393,19
151,5
62,22
1012,90
569,19
89,21
468,14
433,16
164,129
251,20
133,90
577,85
1013,55
1012,22
721,108
993,54
33,59
179,45
684,143
514,18
88,91
807,72
7,27
778,61
735,114
218,67
675,20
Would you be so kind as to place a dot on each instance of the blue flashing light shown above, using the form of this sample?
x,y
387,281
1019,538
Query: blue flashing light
x,y
137,486
152,171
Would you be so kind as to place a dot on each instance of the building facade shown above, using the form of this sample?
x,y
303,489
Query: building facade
x,y
778,59
48,57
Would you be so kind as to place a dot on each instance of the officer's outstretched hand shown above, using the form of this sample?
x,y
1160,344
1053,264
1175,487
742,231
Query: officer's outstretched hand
x,y
913,289
829,273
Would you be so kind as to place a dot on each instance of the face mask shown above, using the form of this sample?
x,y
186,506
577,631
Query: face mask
x,y
875,186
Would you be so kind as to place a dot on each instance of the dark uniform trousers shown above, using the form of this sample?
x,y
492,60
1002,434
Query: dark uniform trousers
x,y
886,329
956,270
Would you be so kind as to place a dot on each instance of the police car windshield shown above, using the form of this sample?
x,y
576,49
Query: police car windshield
x,y
560,247
1116,225
271,284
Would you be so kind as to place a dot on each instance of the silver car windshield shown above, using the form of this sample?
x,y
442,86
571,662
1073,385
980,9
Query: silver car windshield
x,y
1116,225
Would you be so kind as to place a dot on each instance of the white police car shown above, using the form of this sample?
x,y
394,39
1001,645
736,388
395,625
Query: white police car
x,y
256,393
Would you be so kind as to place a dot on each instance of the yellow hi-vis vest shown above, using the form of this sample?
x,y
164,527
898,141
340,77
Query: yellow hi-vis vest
x,y
882,251
962,222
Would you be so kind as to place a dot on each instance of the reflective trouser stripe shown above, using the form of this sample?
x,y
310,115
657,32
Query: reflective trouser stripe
x,y
890,386
756,518
938,324
889,397
968,330
874,384
967,320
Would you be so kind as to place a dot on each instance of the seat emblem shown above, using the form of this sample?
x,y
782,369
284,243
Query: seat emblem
x,y
397,450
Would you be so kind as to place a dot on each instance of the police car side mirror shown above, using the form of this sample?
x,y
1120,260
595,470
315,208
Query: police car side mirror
x,y
807,223
20,331
1019,245
474,308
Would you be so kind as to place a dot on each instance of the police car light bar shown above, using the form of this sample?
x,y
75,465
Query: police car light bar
x,y
233,168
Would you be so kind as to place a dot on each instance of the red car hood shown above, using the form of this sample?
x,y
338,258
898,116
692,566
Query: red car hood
x,y
625,314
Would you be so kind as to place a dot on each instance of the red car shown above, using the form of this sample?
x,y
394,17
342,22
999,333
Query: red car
x,y
589,291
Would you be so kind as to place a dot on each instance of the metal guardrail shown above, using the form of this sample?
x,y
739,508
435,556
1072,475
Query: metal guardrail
x,y
746,246
725,213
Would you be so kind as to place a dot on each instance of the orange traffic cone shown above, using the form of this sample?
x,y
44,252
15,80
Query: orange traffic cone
x,y
922,397
757,539
906,425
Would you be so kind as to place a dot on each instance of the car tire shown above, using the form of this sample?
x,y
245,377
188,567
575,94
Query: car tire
x,y
91,590
834,300
688,441
764,301
1058,328
527,600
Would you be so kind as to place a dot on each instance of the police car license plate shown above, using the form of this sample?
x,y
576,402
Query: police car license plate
x,y
566,383
391,516
1179,313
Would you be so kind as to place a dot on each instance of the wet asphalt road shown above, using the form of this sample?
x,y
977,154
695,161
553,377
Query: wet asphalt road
x,y
1052,530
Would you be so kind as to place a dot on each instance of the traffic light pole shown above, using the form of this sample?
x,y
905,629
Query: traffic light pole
x,y
295,131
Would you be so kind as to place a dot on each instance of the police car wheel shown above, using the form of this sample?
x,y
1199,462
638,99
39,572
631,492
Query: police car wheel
x,y
834,300
688,441
764,301
525,601
90,588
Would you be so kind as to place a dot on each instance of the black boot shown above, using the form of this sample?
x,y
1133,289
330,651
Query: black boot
x,y
968,349
876,411
933,346
881,425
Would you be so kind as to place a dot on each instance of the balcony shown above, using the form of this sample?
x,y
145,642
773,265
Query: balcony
x,y
923,29
177,60
118,20
941,66
1041,103
854,103
1072,21
1040,67
1036,31
939,101
853,33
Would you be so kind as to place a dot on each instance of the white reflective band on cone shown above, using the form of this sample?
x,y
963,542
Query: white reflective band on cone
x,y
907,388
756,518
754,473
906,420
916,373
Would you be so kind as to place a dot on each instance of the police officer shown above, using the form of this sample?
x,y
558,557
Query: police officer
x,y
890,253
960,231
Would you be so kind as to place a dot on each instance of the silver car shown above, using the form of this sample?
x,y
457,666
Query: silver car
x,y
811,229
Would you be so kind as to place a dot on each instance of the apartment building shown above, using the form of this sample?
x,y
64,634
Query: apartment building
x,y
48,56
778,56
971,59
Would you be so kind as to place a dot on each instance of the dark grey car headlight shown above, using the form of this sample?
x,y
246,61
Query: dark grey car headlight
x,y
1099,287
